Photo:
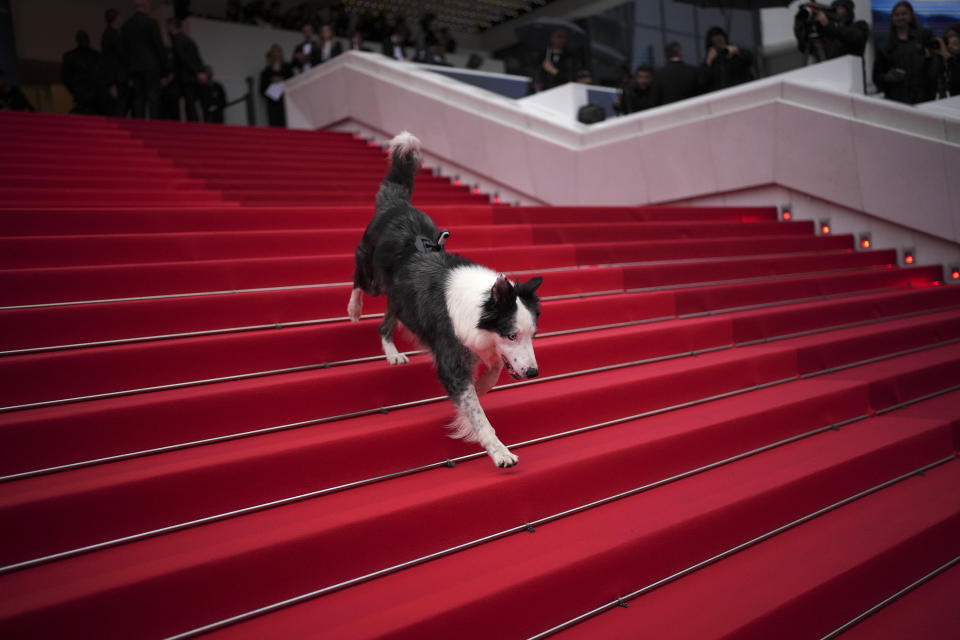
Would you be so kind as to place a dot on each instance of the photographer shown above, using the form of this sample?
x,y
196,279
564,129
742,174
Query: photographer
x,y
725,64
824,33
903,69
946,63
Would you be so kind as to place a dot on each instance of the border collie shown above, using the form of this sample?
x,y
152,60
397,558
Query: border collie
x,y
470,317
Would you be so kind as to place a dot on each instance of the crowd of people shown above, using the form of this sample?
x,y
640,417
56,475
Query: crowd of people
x,y
322,41
138,73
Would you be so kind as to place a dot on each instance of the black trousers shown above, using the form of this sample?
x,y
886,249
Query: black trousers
x,y
189,92
145,93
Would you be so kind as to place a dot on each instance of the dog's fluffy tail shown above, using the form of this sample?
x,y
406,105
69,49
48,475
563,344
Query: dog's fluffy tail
x,y
405,159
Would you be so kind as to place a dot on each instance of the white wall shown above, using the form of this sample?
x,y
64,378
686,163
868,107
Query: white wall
x,y
810,131
236,51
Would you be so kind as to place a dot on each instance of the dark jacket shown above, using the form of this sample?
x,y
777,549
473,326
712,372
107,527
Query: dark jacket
x,y
835,39
335,50
268,76
387,49
186,58
918,85
313,56
111,48
635,99
142,44
82,72
566,63
727,70
947,76
676,81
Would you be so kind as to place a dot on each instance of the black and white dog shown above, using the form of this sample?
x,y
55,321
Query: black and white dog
x,y
467,315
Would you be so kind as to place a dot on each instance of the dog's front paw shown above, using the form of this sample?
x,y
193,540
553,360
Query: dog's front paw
x,y
503,458
398,359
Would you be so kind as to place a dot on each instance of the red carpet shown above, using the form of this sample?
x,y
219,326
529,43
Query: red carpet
x,y
742,429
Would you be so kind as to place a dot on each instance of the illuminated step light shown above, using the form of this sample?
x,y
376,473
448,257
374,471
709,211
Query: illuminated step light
x,y
785,212
864,241
476,190
954,272
824,227
908,255
496,198
456,181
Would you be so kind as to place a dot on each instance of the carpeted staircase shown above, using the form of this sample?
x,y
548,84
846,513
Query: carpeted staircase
x,y
741,429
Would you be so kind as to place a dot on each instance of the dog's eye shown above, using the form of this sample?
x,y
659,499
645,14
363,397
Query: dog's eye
x,y
512,337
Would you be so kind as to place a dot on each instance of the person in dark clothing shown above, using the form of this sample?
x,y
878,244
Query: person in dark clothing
x,y
946,63
114,74
356,42
328,47
169,97
11,98
213,98
187,66
825,35
432,55
82,72
556,65
307,53
393,47
903,69
639,94
276,71
725,65
676,80
146,65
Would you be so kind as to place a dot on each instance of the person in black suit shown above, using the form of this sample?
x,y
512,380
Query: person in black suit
x,y
82,71
329,47
393,47
639,94
145,58
276,71
114,75
307,53
188,67
676,80
555,66
213,98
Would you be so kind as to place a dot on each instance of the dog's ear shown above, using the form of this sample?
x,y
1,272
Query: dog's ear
x,y
501,289
530,285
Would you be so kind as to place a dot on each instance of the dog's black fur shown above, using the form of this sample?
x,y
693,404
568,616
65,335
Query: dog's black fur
x,y
389,263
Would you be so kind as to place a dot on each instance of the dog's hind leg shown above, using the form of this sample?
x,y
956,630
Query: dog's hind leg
x,y
472,425
386,338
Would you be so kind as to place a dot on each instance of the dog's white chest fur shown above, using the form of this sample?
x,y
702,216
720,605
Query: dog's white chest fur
x,y
468,287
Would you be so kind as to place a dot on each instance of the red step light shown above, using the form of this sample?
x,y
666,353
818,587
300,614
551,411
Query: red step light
x,y
908,259
825,229
865,243
787,215
955,274
457,182
496,199
476,190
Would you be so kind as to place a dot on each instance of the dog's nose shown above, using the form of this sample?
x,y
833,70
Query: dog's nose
x,y
531,372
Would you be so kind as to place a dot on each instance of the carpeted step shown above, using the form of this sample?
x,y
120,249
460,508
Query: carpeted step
x,y
147,491
74,250
636,539
812,579
117,368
